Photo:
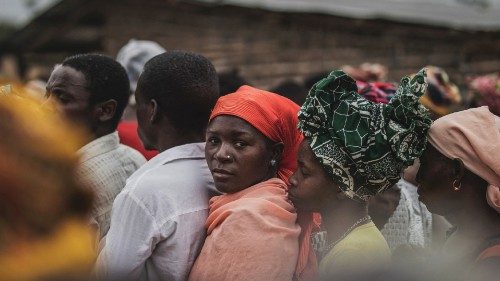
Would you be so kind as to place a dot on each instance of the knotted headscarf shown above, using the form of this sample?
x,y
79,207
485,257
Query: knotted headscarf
x,y
362,145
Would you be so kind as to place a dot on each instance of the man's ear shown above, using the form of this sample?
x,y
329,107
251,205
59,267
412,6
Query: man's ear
x,y
153,111
106,110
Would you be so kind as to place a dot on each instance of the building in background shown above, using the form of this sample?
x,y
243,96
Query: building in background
x,y
271,41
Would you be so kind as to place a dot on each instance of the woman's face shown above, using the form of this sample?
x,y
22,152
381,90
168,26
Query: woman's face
x,y
311,187
435,182
238,155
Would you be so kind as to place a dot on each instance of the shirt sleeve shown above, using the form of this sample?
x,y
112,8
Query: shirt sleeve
x,y
130,241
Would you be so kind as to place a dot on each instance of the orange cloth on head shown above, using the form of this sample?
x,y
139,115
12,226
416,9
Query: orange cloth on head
x,y
472,135
251,235
276,117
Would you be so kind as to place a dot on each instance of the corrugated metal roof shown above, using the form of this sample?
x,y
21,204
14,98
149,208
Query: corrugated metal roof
x,y
459,14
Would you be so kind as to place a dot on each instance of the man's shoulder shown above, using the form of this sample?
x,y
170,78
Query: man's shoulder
x,y
131,153
169,177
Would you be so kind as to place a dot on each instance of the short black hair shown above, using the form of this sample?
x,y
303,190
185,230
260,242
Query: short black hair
x,y
314,78
106,79
291,90
230,81
185,86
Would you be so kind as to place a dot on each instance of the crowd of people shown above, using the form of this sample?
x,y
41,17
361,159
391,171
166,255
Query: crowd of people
x,y
154,166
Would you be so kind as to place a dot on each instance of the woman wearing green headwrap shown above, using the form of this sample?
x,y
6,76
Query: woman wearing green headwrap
x,y
353,150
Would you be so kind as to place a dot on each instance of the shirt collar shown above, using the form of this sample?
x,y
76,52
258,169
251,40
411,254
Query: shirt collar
x,y
185,151
99,146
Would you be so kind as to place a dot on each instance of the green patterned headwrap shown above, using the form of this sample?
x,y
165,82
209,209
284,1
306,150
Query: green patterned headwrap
x,y
362,145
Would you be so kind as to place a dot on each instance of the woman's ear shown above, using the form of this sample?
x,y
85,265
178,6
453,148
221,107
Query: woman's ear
x,y
458,170
277,152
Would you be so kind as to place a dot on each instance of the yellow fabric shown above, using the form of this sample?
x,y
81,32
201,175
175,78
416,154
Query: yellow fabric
x,y
362,250
69,251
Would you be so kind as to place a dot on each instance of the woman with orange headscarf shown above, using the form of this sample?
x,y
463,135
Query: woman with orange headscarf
x,y
253,234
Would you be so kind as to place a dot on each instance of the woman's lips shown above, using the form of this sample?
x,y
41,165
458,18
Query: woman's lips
x,y
221,174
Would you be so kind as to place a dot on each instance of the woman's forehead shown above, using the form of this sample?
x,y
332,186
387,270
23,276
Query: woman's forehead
x,y
230,124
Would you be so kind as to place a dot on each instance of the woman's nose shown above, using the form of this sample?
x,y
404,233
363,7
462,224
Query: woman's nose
x,y
223,154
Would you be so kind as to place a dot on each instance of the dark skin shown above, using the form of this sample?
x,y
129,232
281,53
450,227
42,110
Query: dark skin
x,y
314,191
382,206
155,129
67,88
449,189
238,155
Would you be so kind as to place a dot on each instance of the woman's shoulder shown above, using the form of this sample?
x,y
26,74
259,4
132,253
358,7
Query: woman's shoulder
x,y
365,241
365,249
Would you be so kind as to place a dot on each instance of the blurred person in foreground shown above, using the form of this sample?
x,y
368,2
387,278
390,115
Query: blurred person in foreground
x,y
43,208
354,149
157,226
92,91
133,56
253,233
458,178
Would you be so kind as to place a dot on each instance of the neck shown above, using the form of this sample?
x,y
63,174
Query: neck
x,y
166,140
339,219
477,222
100,132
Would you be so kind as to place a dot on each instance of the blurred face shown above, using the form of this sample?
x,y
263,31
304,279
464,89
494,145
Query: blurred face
x,y
145,128
67,88
311,187
435,182
237,154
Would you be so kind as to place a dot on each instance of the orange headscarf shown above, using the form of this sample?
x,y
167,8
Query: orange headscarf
x,y
276,117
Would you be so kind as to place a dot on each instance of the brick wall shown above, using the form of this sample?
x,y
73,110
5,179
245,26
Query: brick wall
x,y
269,47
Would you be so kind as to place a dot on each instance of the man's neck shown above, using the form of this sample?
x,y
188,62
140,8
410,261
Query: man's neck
x,y
167,141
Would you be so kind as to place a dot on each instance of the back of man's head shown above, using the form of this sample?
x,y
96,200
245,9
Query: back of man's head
x,y
185,86
106,80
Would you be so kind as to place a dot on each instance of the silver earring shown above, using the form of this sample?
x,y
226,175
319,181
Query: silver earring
x,y
273,162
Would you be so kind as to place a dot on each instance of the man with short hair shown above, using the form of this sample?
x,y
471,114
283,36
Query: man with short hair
x,y
92,91
157,227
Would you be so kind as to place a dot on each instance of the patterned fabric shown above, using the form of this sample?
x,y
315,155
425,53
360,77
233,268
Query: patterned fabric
x,y
377,92
105,166
364,146
411,222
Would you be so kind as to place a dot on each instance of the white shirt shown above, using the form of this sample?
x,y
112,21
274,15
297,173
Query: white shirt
x,y
157,226
411,222
105,166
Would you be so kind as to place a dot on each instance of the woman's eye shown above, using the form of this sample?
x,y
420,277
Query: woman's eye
x,y
212,140
64,98
240,144
304,172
